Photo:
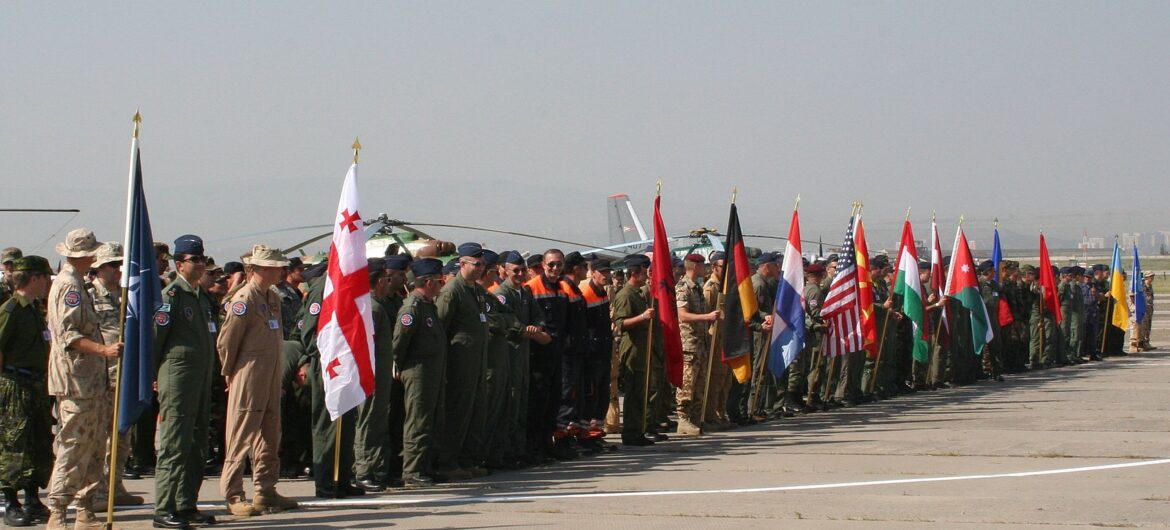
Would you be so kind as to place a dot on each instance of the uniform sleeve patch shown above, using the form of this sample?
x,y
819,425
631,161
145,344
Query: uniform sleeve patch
x,y
301,324
814,303
73,298
430,322
165,308
189,313
314,308
502,299
407,319
162,318
239,308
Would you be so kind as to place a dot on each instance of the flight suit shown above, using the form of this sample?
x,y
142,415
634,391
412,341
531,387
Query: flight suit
x,y
250,351
372,432
1072,310
185,333
462,306
629,303
487,432
420,352
515,425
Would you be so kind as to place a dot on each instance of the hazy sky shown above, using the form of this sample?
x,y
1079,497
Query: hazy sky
x,y
526,115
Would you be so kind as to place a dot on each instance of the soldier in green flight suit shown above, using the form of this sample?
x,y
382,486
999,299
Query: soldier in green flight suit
x,y
396,278
420,353
504,330
632,314
1072,310
185,332
372,432
26,436
513,293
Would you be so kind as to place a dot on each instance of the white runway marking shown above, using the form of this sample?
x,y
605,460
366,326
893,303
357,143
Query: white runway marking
x,y
371,503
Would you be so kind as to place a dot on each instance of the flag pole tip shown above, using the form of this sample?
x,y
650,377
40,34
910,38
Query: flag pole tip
x,y
357,146
137,119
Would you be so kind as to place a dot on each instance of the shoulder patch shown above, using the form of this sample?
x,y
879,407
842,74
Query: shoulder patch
x,y
814,302
172,292
239,308
503,299
73,298
165,308
430,322
162,318
407,319
189,313
301,324
314,308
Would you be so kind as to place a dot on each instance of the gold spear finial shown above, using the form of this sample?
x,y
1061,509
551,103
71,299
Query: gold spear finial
x,y
137,120
997,222
734,192
357,146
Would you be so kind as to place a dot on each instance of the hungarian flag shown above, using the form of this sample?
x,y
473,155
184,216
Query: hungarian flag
x,y
1048,282
345,331
1118,292
739,303
788,315
662,290
909,285
964,287
865,291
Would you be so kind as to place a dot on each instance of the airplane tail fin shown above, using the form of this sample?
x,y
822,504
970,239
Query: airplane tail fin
x,y
624,225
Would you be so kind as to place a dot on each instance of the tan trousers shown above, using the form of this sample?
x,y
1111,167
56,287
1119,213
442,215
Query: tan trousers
x,y
252,431
83,432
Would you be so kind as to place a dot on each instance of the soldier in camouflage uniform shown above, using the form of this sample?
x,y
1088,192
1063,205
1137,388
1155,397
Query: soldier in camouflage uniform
x,y
78,376
718,393
107,298
811,360
25,420
1072,309
993,350
1015,334
694,319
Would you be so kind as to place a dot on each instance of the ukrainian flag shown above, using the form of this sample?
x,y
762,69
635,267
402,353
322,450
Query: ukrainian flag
x,y
1118,292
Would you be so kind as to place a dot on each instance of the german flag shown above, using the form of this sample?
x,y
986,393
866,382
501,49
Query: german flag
x,y
737,310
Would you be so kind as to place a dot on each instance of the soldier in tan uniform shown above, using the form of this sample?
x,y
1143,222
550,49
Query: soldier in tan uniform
x,y
249,347
694,319
79,361
720,377
107,301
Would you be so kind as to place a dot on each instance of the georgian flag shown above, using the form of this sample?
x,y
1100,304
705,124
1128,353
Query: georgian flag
x,y
345,331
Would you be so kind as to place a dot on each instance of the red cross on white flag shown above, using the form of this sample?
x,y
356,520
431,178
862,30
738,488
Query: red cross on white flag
x,y
345,331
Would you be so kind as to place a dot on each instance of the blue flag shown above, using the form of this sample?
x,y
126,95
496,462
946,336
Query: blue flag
x,y
144,295
1135,287
996,254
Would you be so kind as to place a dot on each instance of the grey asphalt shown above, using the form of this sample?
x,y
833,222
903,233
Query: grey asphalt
x,y
959,458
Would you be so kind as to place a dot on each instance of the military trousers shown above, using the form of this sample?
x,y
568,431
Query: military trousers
x,y
1072,327
83,430
325,444
595,376
1042,347
716,394
544,401
253,432
849,379
570,388
372,429
690,394
491,432
184,398
464,387
515,423
422,385
26,435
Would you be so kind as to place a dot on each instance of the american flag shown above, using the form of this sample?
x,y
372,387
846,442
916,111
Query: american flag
x,y
840,310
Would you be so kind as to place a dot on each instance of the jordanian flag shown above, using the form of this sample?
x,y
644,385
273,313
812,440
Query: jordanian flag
x,y
909,285
962,286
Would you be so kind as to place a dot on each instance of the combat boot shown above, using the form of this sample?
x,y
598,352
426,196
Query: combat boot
x,y
273,501
239,507
686,427
56,519
86,520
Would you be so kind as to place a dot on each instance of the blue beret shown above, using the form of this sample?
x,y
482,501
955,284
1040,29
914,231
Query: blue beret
x,y
1076,269
397,262
717,255
676,261
189,244
637,260
490,258
451,267
426,267
470,250
769,257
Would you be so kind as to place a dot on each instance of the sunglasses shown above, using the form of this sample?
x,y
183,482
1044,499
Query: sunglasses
x,y
554,264
196,259
473,263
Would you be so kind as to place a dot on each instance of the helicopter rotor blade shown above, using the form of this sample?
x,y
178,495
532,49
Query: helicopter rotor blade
x,y
41,210
507,232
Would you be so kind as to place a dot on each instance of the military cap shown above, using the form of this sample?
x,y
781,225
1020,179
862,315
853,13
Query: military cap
x,y
296,263
10,254
946,261
676,261
376,266
79,243
832,257
1077,270
108,252
697,258
637,260
490,258
189,244
211,266
1100,267
397,262
769,257
880,261
1066,270
512,257
986,265
923,265
1054,270
534,260
470,250
718,255
1010,264
1028,269
814,268
451,267
600,264
34,264
1148,274
426,267
574,259
162,250
265,256
310,273
233,267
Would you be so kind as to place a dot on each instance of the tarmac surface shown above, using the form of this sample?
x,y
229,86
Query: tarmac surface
x,y
1083,446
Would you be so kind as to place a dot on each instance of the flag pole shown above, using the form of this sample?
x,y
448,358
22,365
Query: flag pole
x,y
877,361
337,425
650,341
712,350
1107,318
114,434
834,361
930,367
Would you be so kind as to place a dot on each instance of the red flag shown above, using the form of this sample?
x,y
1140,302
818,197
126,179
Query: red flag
x,y
1005,314
1048,282
345,331
662,290
865,291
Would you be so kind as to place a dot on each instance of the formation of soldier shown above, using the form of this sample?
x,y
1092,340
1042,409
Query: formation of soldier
x,y
493,361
